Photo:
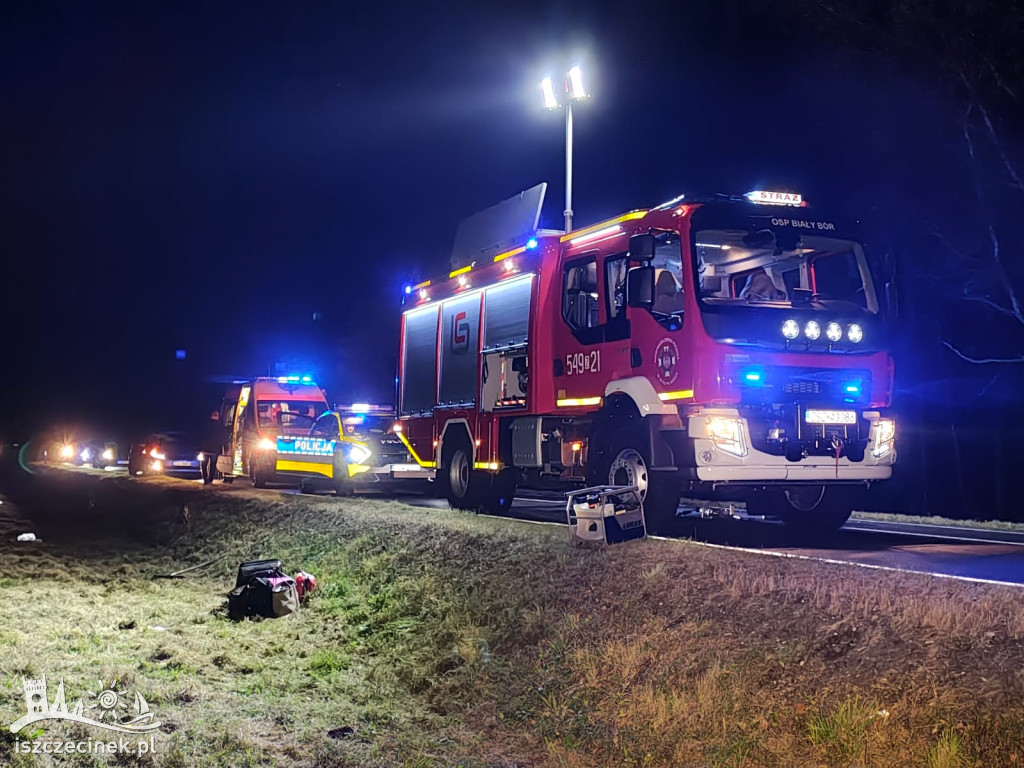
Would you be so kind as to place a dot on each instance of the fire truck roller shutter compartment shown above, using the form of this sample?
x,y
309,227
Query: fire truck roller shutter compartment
x,y
505,336
419,361
460,340
507,314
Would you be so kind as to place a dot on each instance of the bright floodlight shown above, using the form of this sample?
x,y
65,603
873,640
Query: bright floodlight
x,y
549,93
576,83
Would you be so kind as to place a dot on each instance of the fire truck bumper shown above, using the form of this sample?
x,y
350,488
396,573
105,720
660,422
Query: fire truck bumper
x,y
724,453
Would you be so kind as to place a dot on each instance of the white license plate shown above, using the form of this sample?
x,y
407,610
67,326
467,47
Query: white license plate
x,y
181,463
820,416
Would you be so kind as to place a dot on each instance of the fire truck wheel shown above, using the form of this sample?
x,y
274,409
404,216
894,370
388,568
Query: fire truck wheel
x,y
459,481
623,460
256,476
808,508
499,493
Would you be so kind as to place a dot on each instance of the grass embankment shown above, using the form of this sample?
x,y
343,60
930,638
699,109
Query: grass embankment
x,y
438,638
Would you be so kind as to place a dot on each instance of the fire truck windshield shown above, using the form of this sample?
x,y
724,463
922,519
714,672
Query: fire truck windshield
x,y
780,267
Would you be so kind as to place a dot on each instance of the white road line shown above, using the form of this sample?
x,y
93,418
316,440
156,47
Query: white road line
x,y
891,532
833,561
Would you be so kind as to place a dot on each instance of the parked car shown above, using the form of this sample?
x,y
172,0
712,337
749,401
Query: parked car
x,y
170,453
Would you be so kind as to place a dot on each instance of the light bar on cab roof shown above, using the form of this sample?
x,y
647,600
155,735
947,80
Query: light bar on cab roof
x,y
579,234
364,408
769,197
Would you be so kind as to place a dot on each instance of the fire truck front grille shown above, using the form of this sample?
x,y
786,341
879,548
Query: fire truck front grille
x,y
780,430
800,387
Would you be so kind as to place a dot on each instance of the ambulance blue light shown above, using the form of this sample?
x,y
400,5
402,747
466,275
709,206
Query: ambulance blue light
x,y
754,377
531,243
408,290
307,379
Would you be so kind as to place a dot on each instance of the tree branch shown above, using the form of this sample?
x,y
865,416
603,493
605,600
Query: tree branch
x,y
981,360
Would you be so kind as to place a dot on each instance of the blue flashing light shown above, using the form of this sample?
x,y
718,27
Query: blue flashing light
x,y
307,379
531,244
179,354
851,390
754,377
408,290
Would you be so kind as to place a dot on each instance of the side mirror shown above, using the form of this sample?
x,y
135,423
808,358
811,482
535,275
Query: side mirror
x,y
640,286
641,247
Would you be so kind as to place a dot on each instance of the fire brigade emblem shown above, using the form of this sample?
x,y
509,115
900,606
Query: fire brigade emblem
x,y
666,357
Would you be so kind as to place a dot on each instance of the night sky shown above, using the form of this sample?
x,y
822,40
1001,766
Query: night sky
x,y
208,177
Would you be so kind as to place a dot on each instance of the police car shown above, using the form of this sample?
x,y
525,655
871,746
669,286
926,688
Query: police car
x,y
347,446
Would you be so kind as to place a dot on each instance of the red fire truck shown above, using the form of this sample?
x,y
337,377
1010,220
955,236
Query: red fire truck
x,y
725,347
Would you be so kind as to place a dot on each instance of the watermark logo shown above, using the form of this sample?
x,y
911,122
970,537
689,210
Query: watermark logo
x,y
113,707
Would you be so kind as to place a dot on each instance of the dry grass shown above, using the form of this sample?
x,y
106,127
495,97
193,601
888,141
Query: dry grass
x,y
440,639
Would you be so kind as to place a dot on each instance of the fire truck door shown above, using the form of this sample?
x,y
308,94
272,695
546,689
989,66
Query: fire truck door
x,y
591,342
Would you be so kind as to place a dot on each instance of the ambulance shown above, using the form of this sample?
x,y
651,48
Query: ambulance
x,y
268,409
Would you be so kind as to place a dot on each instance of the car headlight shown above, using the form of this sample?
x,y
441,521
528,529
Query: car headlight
x,y
727,434
358,453
108,455
200,456
854,333
790,329
834,331
885,438
812,330
266,444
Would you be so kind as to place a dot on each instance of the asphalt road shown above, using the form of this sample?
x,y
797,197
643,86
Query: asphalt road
x,y
954,552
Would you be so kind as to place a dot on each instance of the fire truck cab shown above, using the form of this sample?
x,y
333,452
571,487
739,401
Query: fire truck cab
x,y
725,347
267,408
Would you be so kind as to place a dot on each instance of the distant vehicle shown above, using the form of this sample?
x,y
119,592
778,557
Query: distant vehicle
x,y
95,454
172,453
267,408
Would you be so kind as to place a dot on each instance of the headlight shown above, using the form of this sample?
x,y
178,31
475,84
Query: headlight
x,y
854,333
358,454
67,451
727,434
108,455
834,331
266,444
200,456
885,438
790,329
812,330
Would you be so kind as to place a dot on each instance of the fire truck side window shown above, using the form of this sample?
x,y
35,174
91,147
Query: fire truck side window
x,y
580,306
